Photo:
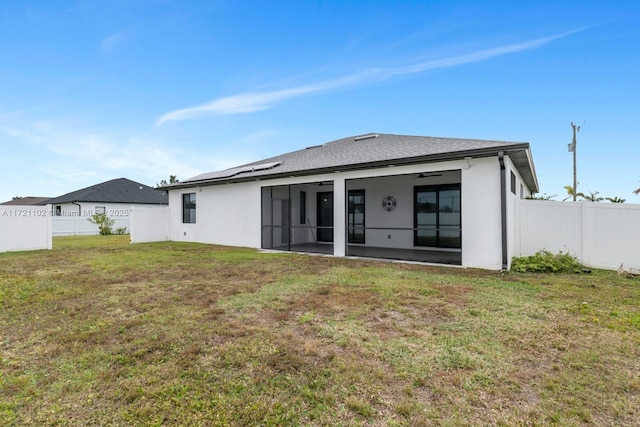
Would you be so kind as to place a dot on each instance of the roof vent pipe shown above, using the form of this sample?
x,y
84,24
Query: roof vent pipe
x,y
369,136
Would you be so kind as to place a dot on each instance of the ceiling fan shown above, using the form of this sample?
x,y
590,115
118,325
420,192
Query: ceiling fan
x,y
428,175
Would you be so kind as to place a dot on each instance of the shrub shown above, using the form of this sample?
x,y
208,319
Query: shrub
x,y
546,262
121,230
104,223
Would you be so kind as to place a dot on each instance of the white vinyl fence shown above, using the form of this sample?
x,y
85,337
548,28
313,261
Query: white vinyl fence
x,y
80,226
600,235
25,228
149,224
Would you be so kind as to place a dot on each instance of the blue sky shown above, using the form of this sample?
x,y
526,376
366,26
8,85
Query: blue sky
x,y
96,90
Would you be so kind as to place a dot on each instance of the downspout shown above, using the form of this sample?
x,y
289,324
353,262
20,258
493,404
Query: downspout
x,y
79,208
503,209
271,215
261,218
289,219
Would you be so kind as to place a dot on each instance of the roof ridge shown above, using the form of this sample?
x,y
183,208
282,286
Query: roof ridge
x,y
117,190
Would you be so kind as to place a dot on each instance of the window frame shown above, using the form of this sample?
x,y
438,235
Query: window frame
x,y
188,208
351,224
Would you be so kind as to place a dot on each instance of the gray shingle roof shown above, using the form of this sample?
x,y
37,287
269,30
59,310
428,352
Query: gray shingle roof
x,y
121,190
27,200
370,151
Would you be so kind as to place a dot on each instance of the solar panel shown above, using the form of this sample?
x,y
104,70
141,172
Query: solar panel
x,y
264,166
228,173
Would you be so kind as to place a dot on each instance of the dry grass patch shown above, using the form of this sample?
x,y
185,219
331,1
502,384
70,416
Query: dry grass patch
x,y
100,332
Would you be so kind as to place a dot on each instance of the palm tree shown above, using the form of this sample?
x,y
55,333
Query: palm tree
x,y
535,196
164,183
616,199
592,197
569,189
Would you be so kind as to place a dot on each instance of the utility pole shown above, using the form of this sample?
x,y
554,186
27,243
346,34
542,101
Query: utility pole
x,y
572,149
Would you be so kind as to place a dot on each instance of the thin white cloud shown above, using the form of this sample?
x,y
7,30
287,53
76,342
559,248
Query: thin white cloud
x,y
255,101
76,156
113,40
474,56
250,102
15,132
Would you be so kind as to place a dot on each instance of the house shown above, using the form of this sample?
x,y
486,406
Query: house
x,y
440,200
113,198
26,201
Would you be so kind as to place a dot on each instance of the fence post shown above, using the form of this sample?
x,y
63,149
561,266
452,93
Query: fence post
x,y
584,236
132,220
49,227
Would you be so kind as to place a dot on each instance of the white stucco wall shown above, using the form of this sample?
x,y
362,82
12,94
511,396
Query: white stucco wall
x,y
521,192
225,215
481,224
149,224
339,216
230,214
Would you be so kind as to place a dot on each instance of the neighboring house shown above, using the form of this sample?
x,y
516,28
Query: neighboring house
x,y
419,198
113,198
26,201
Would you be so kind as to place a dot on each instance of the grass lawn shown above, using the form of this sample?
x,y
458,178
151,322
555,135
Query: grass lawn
x,y
100,332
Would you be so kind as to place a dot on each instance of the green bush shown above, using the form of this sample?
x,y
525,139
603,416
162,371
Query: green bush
x,y
546,262
104,223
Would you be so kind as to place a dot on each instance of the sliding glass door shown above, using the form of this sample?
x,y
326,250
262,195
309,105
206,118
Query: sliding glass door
x,y
437,216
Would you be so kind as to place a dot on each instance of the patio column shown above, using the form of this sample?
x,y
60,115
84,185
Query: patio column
x,y
339,217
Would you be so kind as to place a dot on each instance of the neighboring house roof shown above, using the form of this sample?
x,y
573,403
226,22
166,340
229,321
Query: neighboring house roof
x,y
27,200
371,151
121,190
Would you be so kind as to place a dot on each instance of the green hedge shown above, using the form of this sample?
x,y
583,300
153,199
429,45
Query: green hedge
x,y
546,262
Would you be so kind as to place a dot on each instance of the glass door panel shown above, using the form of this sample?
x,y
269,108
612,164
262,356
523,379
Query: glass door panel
x,y
355,216
449,218
437,216
325,216
426,218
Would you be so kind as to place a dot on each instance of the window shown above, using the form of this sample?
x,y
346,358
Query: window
x,y
356,216
303,207
189,208
437,216
101,210
521,191
513,183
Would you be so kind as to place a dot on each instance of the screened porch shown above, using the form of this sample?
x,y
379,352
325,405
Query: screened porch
x,y
411,217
